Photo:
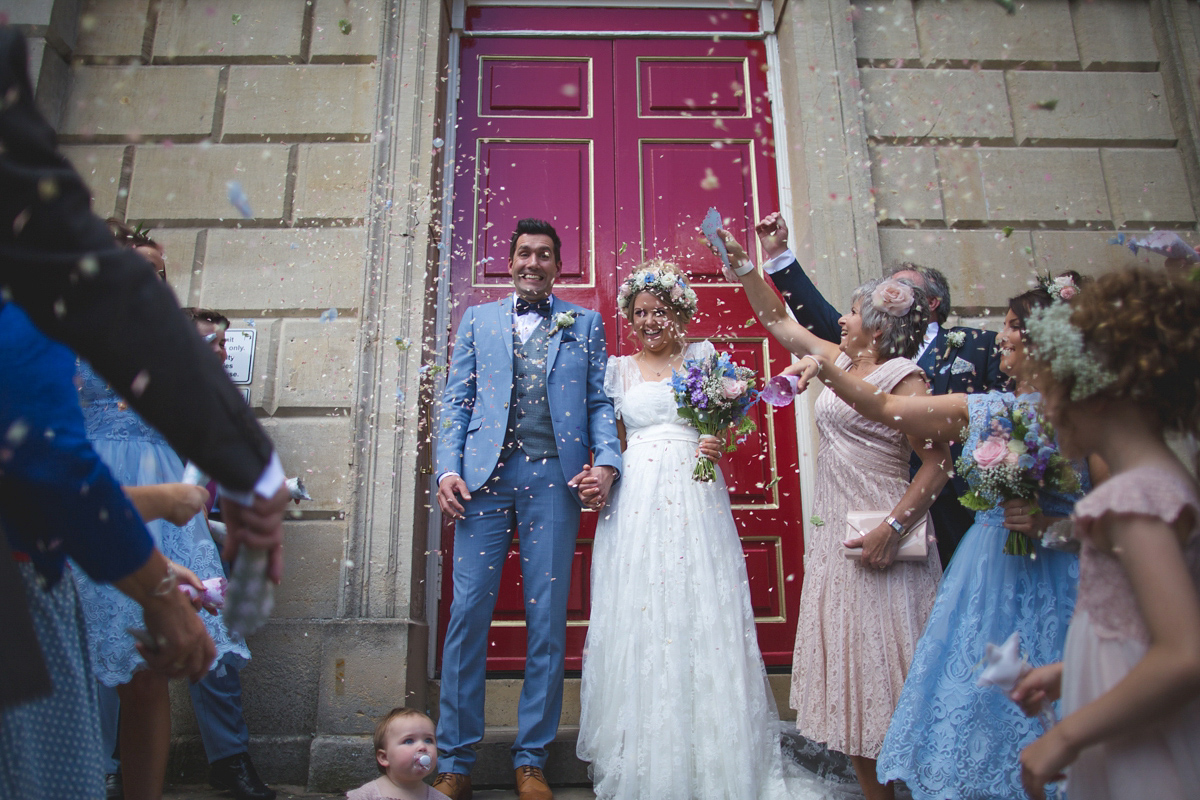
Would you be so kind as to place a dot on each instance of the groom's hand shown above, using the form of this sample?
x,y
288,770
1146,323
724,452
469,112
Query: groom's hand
x,y
593,484
449,490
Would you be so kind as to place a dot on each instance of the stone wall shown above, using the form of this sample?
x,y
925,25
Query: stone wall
x,y
323,112
997,144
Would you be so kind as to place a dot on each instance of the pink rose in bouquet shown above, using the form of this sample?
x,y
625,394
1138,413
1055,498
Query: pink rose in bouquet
x,y
733,389
991,453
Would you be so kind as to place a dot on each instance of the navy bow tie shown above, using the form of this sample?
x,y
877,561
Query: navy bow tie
x,y
523,307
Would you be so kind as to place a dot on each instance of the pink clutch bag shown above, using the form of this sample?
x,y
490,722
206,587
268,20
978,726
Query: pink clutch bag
x,y
914,545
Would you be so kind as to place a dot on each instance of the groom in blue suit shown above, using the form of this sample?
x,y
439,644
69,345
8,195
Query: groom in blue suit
x,y
527,438
962,360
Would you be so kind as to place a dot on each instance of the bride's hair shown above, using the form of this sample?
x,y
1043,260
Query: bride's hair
x,y
663,279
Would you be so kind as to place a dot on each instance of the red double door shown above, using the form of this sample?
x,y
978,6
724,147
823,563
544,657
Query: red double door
x,y
624,145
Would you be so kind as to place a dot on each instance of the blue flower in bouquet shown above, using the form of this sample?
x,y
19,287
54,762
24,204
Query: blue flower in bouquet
x,y
714,394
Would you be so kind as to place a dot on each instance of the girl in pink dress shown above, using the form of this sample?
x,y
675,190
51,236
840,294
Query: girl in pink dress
x,y
1120,366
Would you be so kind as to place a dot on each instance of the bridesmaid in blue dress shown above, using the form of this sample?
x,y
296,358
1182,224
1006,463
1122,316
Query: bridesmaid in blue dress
x,y
948,738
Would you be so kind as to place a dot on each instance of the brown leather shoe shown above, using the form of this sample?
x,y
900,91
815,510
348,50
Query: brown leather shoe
x,y
531,784
454,785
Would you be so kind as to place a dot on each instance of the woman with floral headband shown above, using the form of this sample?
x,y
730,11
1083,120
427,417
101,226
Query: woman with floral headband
x,y
949,737
859,619
1120,367
674,698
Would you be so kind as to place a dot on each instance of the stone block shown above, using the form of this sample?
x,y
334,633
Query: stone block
x,y
312,563
27,12
319,451
1044,184
300,269
331,43
1092,107
280,683
905,180
1147,186
984,268
961,175
1111,32
364,673
957,103
318,363
50,77
226,30
301,101
885,30
100,168
112,29
125,103
968,31
1092,252
179,254
189,182
333,181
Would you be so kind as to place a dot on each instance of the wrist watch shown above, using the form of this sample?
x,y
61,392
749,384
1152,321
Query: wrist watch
x,y
895,525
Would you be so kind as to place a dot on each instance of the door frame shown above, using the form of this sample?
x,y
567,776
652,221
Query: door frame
x,y
805,430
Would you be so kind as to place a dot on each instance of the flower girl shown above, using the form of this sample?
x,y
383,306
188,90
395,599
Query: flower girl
x,y
1119,367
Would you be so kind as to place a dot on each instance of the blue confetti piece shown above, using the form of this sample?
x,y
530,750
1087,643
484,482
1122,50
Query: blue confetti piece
x,y
328,315
238,199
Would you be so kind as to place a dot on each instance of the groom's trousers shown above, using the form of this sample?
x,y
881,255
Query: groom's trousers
x,y
530,497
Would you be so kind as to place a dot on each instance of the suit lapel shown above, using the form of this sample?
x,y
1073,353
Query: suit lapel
x,y
504,322
555,339
941,375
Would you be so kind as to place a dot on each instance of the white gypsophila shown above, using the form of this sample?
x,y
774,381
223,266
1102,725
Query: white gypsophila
x,y
1060,344
956,338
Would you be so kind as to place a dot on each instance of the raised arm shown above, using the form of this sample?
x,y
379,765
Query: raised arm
x,y
769,308
807,303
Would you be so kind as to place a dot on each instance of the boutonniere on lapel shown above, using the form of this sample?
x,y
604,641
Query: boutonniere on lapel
x,y
563,320
956,339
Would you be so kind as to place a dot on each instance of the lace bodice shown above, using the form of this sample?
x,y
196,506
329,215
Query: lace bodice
x,y
106,414
1053,504
640,403
1104,588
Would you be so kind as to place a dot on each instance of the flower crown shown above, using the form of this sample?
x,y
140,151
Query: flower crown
x,y
669,287
1062,288
1054,340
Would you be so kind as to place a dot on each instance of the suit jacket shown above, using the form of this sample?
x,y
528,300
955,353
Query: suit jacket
x,y
59,262
479,389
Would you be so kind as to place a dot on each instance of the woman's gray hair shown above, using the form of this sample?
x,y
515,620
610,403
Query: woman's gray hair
x,y
901,336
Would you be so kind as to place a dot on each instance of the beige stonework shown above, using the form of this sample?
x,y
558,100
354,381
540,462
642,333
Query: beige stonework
x,y
317,449
301,269
935,103
333,181
304,101
961,176
225,30
1093,252
1112,32
885,30
331,43
130,102
191,182
312,563
179,255
100,167
317,363
1091,106
112,28
906,183
973,31
984,268
1063,185
1147,187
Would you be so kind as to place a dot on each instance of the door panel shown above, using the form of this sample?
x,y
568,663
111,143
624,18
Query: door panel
x,y
623,145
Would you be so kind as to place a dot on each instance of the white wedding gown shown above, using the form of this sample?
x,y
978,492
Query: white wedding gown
x,y
675,700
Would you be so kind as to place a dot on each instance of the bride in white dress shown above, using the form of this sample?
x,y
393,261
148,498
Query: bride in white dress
x,y
675,700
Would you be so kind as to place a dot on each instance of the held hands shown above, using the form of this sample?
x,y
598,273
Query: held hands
x,y
259,527
710,448
879,546
594,485
1017,518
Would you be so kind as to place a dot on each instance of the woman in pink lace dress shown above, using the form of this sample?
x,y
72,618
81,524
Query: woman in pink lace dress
x,y
860,618
1120,366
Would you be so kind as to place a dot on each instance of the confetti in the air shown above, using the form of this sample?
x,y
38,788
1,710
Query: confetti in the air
x,y
238,199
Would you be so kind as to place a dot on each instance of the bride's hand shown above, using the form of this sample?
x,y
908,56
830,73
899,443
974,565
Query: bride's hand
x,y
710,448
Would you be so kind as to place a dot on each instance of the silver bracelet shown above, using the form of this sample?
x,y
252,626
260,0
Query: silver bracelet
x,y
745,269
167,584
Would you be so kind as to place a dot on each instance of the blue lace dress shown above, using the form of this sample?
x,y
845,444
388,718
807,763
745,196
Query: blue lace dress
x,y
948,738
138,455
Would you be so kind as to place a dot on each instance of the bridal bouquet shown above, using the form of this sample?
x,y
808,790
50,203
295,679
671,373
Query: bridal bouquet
x,y
714,394
1015,458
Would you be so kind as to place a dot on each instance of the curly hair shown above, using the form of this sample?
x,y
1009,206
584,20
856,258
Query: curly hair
x,y
663,279
1141,325
901,336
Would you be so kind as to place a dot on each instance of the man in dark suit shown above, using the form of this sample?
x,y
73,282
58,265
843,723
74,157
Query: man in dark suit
x,y
955,360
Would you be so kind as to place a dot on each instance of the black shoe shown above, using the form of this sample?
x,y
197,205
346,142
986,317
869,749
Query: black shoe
x,y
236,774
114,787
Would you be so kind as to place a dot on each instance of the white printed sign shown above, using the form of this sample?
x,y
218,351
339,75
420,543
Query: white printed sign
x,y
239,350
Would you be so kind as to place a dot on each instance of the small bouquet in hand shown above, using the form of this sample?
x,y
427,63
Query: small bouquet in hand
x,y
714,394
1017,457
